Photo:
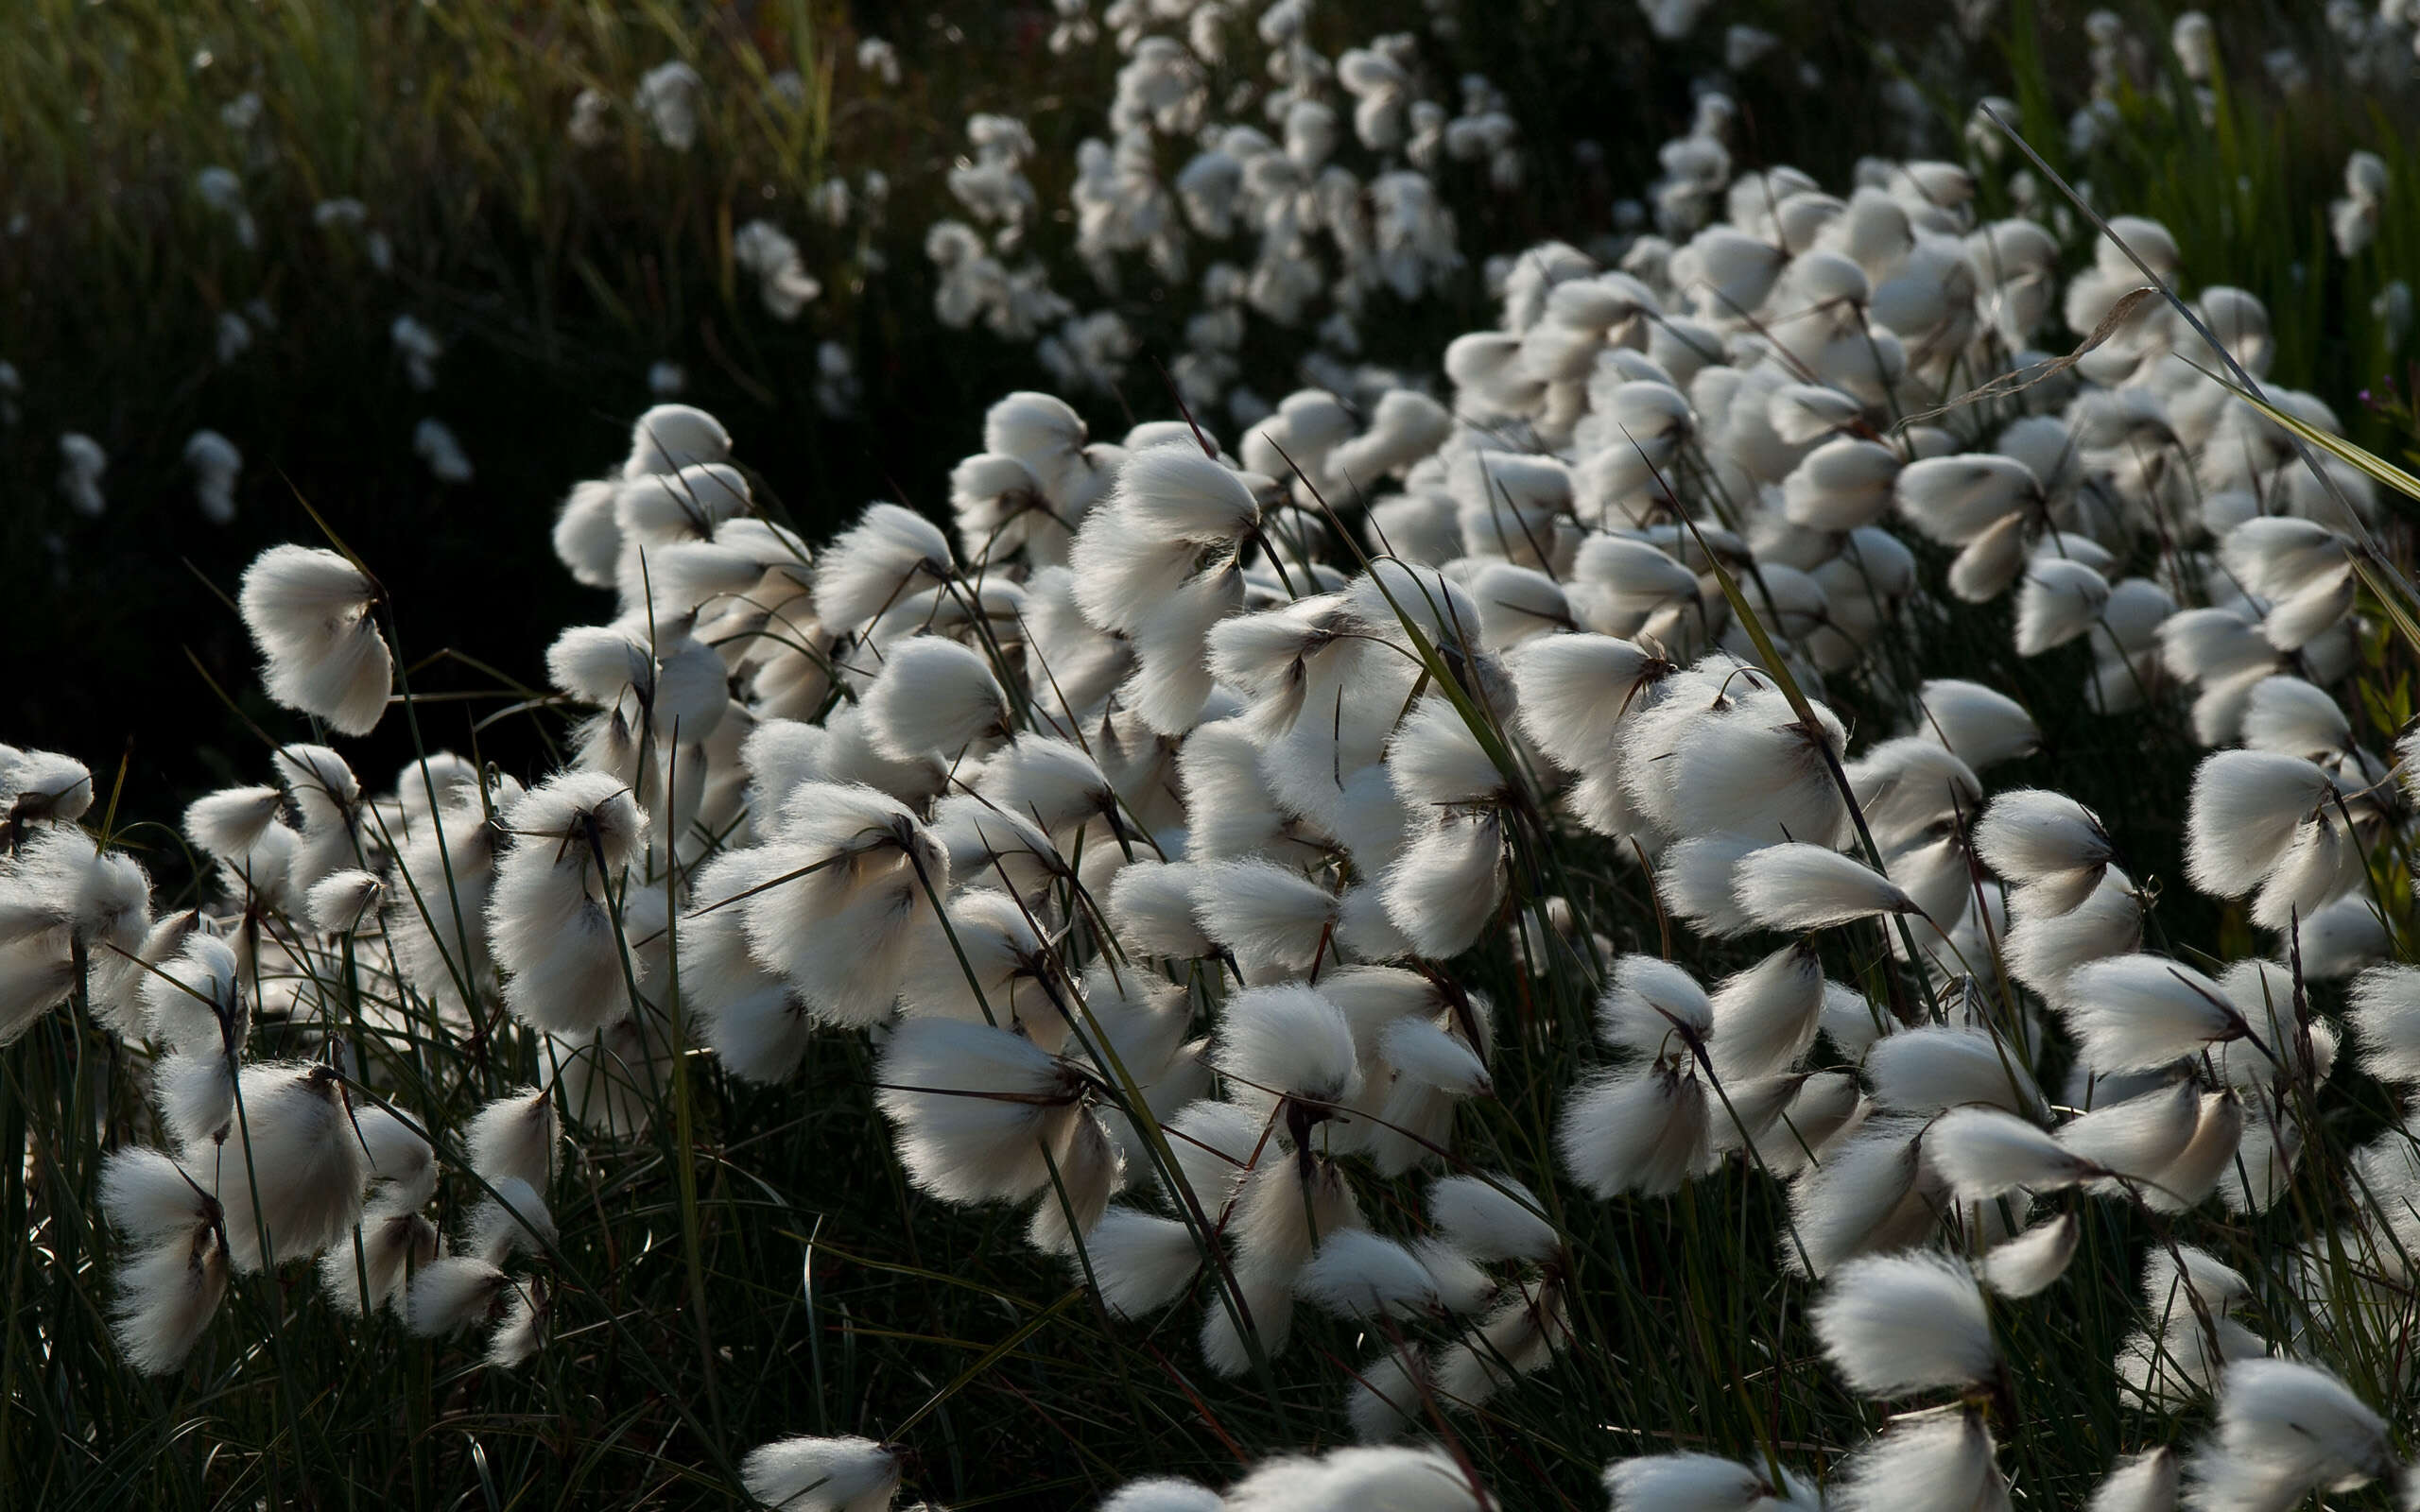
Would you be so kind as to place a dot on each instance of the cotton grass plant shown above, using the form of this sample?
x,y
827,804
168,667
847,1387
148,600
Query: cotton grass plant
x,y
1572,929
1394,947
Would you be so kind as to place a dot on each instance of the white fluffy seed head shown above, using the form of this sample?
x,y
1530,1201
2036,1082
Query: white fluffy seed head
x,y
1435,760
2276,555
1757,769
309,613
44,787
1800,413
1937,1067
1698,1483
1142,1261
393,1243
1043,431
934,694
648,675
1985,1153
2290,716
2341,937
1163,1494
193,1002
1359,1274
400,1160
1695,881
2145,1483
1491,1217
1178,493
809,1474
2181,1278
1982,726
1446,886
2030,835
229,824
889,553
670,437
2045,946
1400,1480
976,1108
1267,914
1652,1005
148,1195
587,541
1843,484
1426,1055
166,1295
2139,1136
2061,600
1290,1041
1765,1017
515,1137
1955,499
1052,783
2033,1260
1802,887
550,923
977,961
2210,1155
345,901
1392,593
1151,907
665,508
2285,1429
1574,692
1899,1324
1944,1461
1905,786
294,1165
1643,1132
2247,806
1867,1195
2386,1021
2141,1013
